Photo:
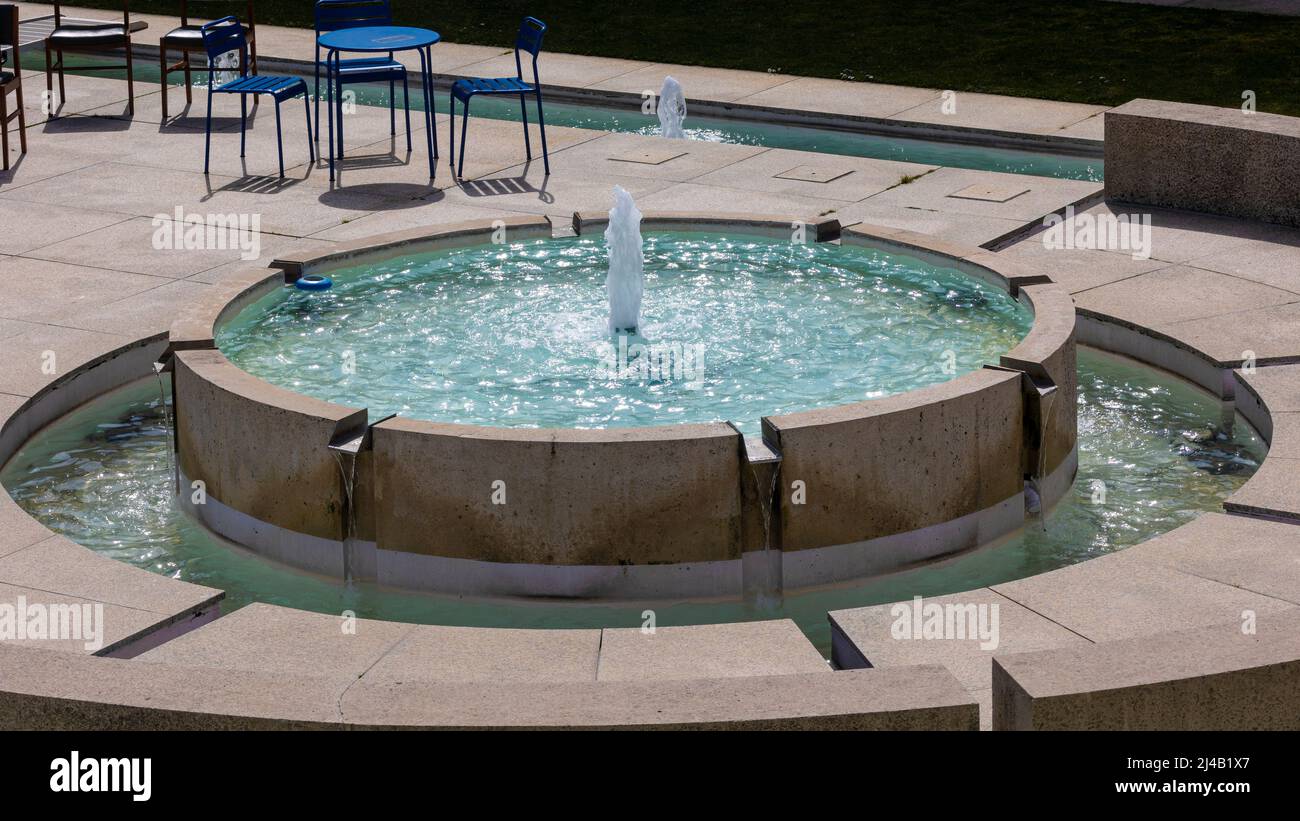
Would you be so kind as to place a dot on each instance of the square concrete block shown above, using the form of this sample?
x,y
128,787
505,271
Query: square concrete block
x,y
815,173
989,193
760,648
647,156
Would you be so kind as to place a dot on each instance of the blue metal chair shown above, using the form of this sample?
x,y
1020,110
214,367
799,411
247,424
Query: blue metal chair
x,y
529,39
332,15
225,35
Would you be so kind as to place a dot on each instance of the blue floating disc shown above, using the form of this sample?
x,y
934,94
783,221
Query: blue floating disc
x,y
314,282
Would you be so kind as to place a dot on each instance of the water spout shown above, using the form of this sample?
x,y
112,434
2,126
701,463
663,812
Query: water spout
x,y
626,279
1047,395
672,109
158,369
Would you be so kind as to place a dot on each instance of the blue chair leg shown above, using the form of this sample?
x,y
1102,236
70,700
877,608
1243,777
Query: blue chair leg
x,y
464,131
451,143
523,115
243,122
329,109
279,140
392,109
338,107
430,106
541,124
406,105
316,92
207,134
311,143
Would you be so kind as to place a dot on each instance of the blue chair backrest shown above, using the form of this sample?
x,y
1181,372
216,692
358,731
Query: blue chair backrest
x,y
529,39
332,15
224,35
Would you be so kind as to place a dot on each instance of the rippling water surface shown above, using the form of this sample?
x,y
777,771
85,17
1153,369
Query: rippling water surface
x,y
732,329
1160,448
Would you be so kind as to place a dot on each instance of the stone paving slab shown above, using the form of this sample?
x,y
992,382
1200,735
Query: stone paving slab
x,y
1252,554
871,633
476,654
934,192
28,226
1186,294
42,291
853,179
149,312
693,159
706,651
267,638
1080,270
1273,263
716,199
53,690
896,698
26,355
1219,677
57,564
999,113
1274,491
839,97
113,626
965,229
1272,334
1121,596
19,528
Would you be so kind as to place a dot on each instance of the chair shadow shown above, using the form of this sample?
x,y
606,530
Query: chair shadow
x,y
505,186
86,123
254,183
184,120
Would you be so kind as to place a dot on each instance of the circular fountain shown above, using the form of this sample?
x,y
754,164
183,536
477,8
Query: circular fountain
x,y
498,481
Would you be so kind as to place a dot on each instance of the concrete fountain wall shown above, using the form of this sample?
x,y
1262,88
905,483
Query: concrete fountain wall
x,y
663,511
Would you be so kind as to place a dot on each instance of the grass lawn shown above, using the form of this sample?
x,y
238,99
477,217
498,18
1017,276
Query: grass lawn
x,y
1081,50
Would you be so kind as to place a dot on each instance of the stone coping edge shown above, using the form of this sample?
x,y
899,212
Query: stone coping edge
x,y
50,690
771,226
1208,678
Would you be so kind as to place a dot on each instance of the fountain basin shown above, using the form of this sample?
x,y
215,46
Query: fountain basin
x,y
662,511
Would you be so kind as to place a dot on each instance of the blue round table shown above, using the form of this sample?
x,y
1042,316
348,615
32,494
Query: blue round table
x,y
371,39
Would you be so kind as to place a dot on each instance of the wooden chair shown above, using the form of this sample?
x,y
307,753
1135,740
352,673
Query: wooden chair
x,y
11,81
91,38
188,39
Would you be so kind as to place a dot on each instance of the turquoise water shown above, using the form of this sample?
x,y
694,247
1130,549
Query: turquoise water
x,y
732,329
716,129
102,477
